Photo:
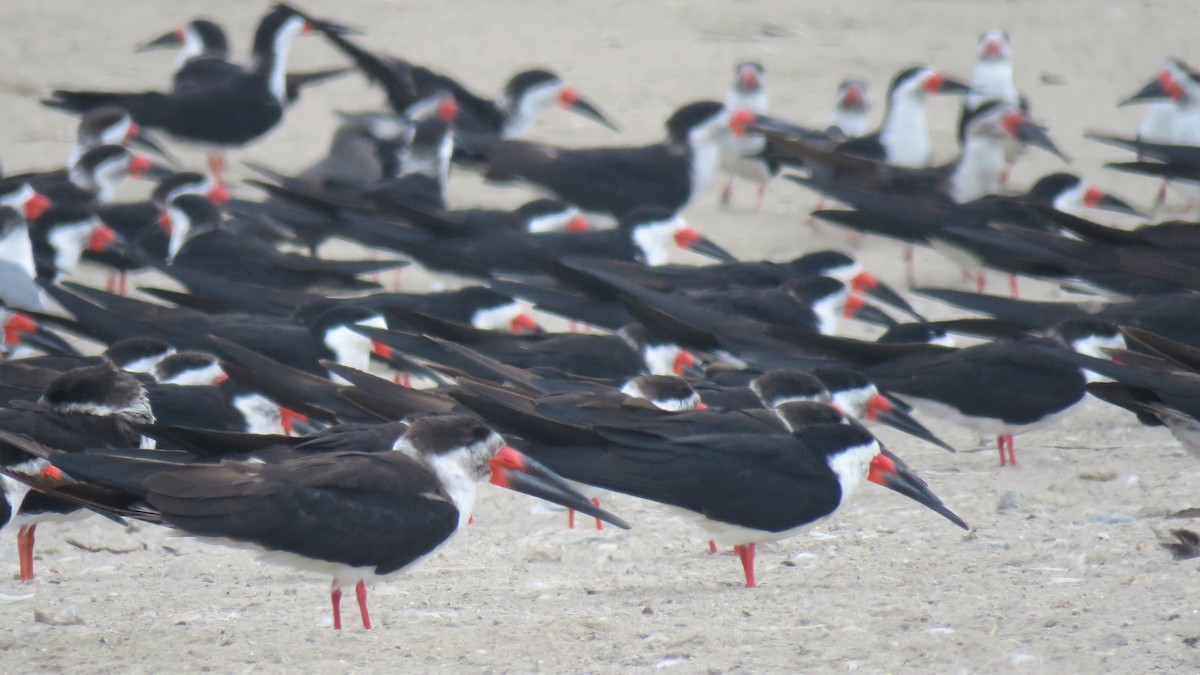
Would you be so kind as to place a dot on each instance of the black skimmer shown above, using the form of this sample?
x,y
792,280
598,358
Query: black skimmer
x,y
525,96
1162,389
1026,387
374,514
668,175
749,92
607,357
974,174
207,246
1166,102
204,55
442,245
992,80
903,139
742,487
851,112
94,406
301,342
229,107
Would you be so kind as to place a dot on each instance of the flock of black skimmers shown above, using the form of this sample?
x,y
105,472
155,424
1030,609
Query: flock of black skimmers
x,y
255,394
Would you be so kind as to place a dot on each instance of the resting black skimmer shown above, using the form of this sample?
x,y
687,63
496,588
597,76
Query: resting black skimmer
x,y
94,406
370,514
668,175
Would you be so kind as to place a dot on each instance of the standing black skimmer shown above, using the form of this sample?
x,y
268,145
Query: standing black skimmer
x,y
1025,386
749,92
617,181
1167,107
90,407
204,54
369,514
230,107
742,487
851,112
903,140
993,81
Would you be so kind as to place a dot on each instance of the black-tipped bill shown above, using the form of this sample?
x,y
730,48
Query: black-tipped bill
x,y
515,471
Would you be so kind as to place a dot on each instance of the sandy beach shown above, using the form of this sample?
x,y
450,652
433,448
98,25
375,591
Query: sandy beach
x,y
1062,571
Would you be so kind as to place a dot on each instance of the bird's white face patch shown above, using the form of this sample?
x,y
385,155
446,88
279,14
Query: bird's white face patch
x,y
69,241
660,359
853,402
351,349
261,414
1094,346
552,222
852,466
655,240
535,101
146,364
501,316
828,311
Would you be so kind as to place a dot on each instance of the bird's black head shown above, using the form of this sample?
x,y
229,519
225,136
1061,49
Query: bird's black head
x,y
827,262
100,390
797,415
685,119
1050,187
810,290
779,386
107,124
195,212
178,184
1089,336
434,435
667,392
138,354
188,368
211,36
521,83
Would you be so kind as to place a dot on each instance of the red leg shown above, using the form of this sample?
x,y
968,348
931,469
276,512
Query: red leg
x,y
909,265
746,553
1004,175
1012,450
599,523
571,518
122,284
712,547
1012,287
1000,448
1162,196
216,165
981,281
727,193
361,591
25,550
335,597
397,279
762,190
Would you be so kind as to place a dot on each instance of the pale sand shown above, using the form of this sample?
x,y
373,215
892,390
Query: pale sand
x,y
886,586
